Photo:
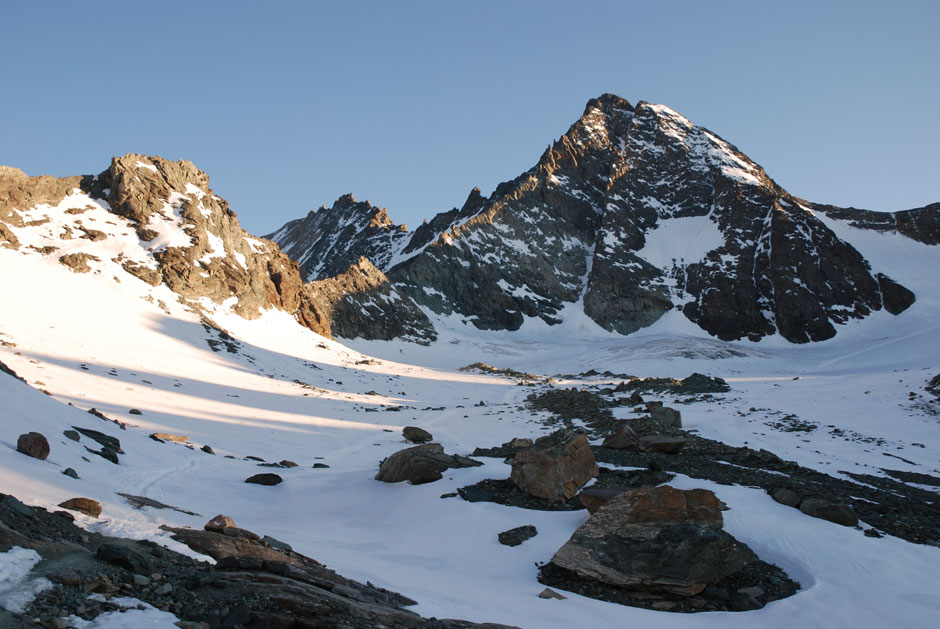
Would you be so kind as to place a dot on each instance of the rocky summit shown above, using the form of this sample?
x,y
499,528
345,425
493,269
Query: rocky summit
x,y
326,242
187,237
634,212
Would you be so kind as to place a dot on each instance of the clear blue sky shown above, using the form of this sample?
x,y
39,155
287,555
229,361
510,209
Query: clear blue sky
x,y
288,105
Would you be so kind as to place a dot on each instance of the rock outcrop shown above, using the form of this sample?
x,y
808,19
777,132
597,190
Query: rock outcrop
x,y
256,581
362,303
191,240
921,224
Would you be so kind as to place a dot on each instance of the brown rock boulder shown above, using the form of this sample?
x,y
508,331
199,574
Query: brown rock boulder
x,y
83,505
657,540
78,262
555,467
33,444
219,523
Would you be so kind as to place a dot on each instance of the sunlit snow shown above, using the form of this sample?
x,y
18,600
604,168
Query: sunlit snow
x,y
287,393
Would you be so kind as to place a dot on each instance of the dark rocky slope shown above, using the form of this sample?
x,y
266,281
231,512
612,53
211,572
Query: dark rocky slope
x,y
327,242
255,582
596,221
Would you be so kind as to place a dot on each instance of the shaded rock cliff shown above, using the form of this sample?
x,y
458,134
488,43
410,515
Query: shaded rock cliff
x,y
634,212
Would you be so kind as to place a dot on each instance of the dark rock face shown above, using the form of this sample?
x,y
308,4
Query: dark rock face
x,y
421,464
921,224
33,444
637,211
327,242
362,303
555,467
655,539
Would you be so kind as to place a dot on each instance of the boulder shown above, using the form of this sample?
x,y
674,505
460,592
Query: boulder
x,y
125,557
830,511
656,540
666,417
787,497
550,593
514,537
623,438
264,479
33,444
555,467
219,523
83,505
413,434
518,443
664,445
421,464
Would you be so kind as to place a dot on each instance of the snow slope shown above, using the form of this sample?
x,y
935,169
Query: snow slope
x,y
105,340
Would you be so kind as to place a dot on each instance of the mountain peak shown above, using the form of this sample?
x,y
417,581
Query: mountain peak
x,y
327,242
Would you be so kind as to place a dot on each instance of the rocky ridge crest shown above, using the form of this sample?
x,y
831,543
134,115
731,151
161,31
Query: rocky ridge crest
x,y
327,242
190,239
634,212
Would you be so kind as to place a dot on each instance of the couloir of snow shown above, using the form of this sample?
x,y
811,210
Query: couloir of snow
x,y
106,340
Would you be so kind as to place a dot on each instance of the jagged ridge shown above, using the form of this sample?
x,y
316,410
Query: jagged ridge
x,y
633,212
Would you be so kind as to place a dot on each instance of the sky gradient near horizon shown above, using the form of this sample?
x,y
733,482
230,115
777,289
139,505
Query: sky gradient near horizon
x,y
288,105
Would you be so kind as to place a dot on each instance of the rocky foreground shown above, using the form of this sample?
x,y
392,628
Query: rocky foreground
x,y
255,582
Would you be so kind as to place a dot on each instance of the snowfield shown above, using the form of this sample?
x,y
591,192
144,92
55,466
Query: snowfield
x,y
107,341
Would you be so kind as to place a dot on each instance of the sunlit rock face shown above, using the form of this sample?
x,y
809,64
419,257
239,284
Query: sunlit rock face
x,y
633,212
164,225
327,242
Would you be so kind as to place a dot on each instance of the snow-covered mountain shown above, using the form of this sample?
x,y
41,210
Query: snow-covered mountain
x,y
157,221
327,242
633,212
206,359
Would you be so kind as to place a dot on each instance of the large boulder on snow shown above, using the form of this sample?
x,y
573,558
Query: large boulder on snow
x,y
658,540
555,467
421,464
33,444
